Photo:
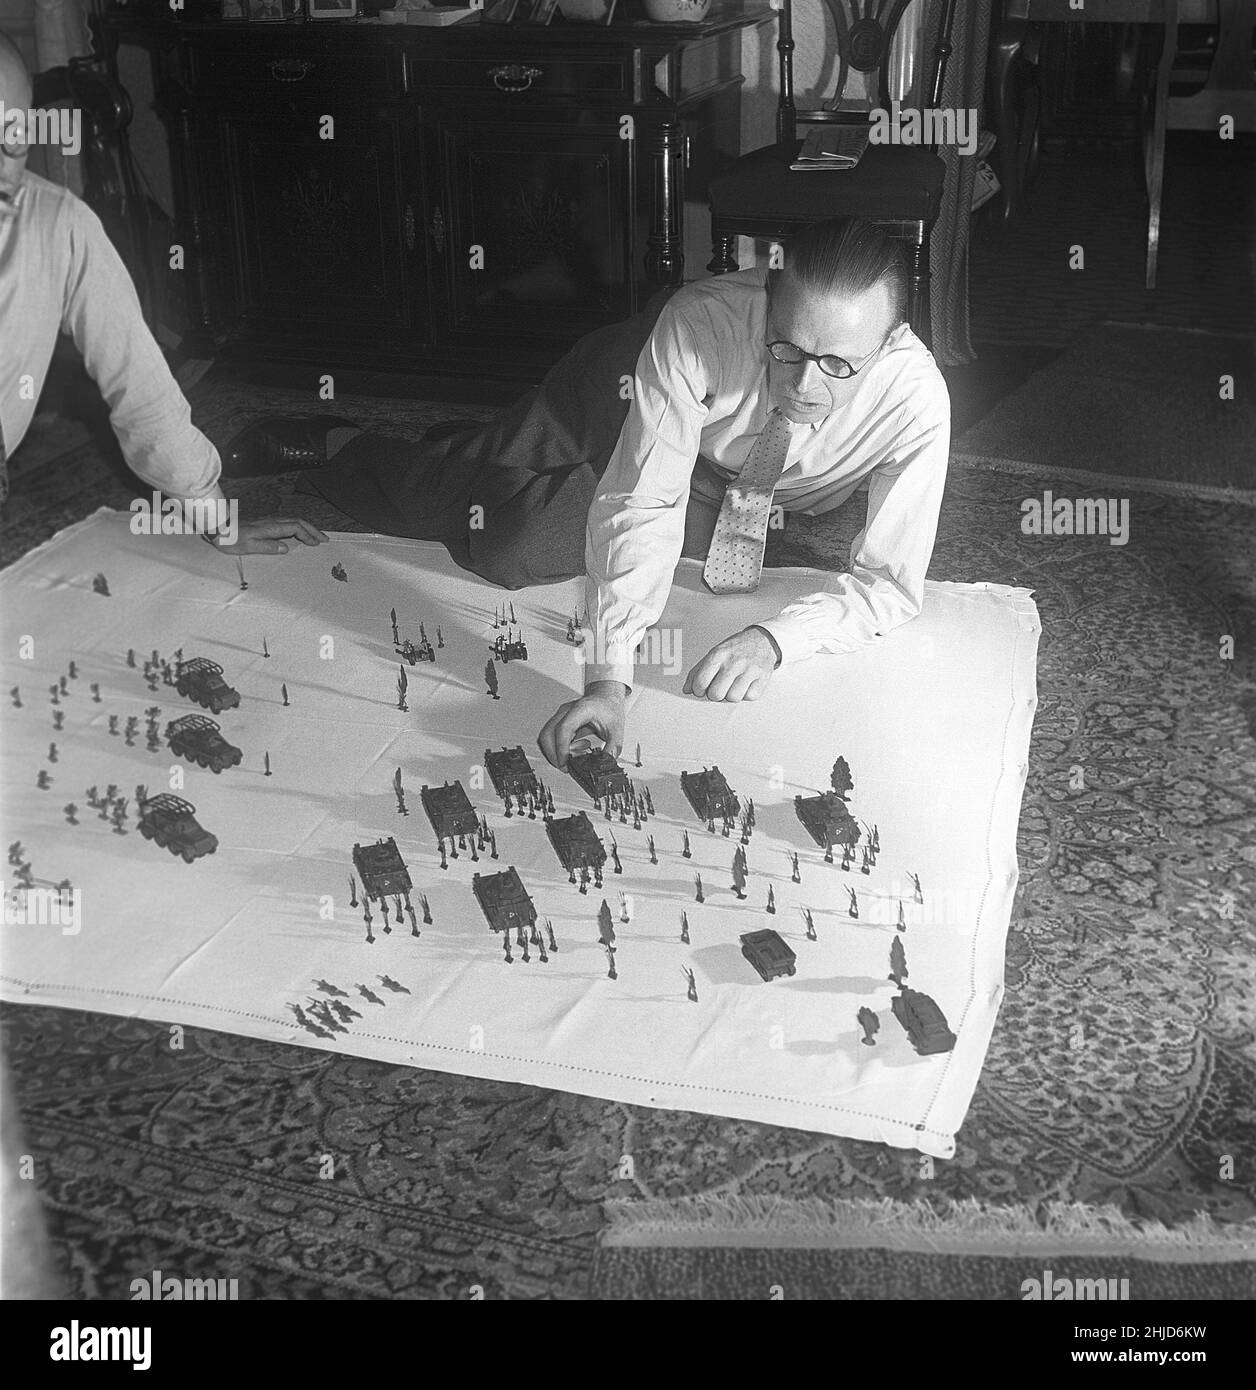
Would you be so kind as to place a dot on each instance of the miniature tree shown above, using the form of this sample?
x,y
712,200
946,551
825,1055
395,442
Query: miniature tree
x,y
490,679
605,921
840,779
898,962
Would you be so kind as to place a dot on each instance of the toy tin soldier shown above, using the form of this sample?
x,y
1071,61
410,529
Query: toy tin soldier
x,y
870,1024
684,928
693,986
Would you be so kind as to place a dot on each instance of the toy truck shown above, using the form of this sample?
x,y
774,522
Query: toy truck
x,y
198,739
511,773
576,843
507,649
599,774
200,680
768,953
709,794
505,900
922,1020
450,811
381,870
171,822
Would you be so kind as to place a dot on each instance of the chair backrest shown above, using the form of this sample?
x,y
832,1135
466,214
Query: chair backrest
x,y
866,30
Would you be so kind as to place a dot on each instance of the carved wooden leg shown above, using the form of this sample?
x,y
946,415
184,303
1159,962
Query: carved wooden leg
x,y
1003,58
918,284
665,258
723,251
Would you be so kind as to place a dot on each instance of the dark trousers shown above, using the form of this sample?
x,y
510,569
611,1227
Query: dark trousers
x,y
510,499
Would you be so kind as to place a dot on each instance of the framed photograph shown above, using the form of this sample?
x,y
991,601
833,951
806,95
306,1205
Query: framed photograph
x,y
262,11
234,10
331,9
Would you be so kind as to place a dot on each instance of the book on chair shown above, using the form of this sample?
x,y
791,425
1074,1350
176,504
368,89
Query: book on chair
x,y
832,147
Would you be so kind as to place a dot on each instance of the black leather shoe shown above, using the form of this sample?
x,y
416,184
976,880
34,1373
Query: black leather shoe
x,y
281,444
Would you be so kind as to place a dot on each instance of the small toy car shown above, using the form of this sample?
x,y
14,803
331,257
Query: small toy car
x,y
923,1021
768,953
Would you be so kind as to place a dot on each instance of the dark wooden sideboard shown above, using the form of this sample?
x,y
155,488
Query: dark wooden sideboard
x,y
334,181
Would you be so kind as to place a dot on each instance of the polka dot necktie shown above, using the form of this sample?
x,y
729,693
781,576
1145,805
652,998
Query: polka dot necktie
x,y
735,559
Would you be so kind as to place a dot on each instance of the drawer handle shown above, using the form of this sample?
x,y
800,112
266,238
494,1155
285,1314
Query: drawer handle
x,y
290,69
514,77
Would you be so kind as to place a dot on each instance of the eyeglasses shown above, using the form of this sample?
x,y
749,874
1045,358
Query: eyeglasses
x,y
829,363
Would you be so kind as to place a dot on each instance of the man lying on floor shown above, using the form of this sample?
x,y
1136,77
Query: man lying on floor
x,y
59,272
758,388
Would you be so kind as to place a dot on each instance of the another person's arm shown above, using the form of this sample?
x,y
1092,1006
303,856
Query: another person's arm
x,y
149,413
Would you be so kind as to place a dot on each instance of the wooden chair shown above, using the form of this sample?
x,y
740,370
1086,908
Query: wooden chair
x,y
899,187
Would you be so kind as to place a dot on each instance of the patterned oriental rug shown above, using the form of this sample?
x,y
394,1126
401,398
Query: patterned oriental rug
x,y
1116,1101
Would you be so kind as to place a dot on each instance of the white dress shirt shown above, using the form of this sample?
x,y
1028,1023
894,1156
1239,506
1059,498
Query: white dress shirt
x,y
60,272
701,389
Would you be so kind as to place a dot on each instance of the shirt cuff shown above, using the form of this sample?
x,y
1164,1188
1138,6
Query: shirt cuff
x,y
791,636
622,671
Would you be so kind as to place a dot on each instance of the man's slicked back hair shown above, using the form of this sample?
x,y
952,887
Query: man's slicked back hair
x,y
844,257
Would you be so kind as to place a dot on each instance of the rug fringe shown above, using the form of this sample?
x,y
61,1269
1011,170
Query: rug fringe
x,y
966,1227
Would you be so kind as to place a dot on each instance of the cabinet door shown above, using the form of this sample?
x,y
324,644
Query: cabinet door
x,y
326,232
549,205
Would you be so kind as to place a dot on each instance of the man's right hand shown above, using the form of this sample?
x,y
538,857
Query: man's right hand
x,y
598,714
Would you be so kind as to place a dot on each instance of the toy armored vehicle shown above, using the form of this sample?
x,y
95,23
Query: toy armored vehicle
x,y
576,843
922,1020
505,900
709,794
197,738
172,823
412,652
768,953
511,773
200,680
826,817
382,870
450,811
599,774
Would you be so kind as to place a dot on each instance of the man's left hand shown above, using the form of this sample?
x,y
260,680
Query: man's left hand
x,y
738,669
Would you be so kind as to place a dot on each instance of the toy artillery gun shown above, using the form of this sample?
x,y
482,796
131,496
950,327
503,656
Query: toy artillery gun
x,y
577,845
381,870
412,653
197,738
200,680
510,648
768,953
599,774
505,900
922,1020
172,823
826,817
710,795
511,773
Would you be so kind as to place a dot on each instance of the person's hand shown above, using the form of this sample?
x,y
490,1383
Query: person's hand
x,y
598,714
739,668
270,536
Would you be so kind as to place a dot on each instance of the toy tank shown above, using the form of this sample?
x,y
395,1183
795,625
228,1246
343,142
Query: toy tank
x,y
768,952
197,738
200,680
172,823
709,794
504,899
381,868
